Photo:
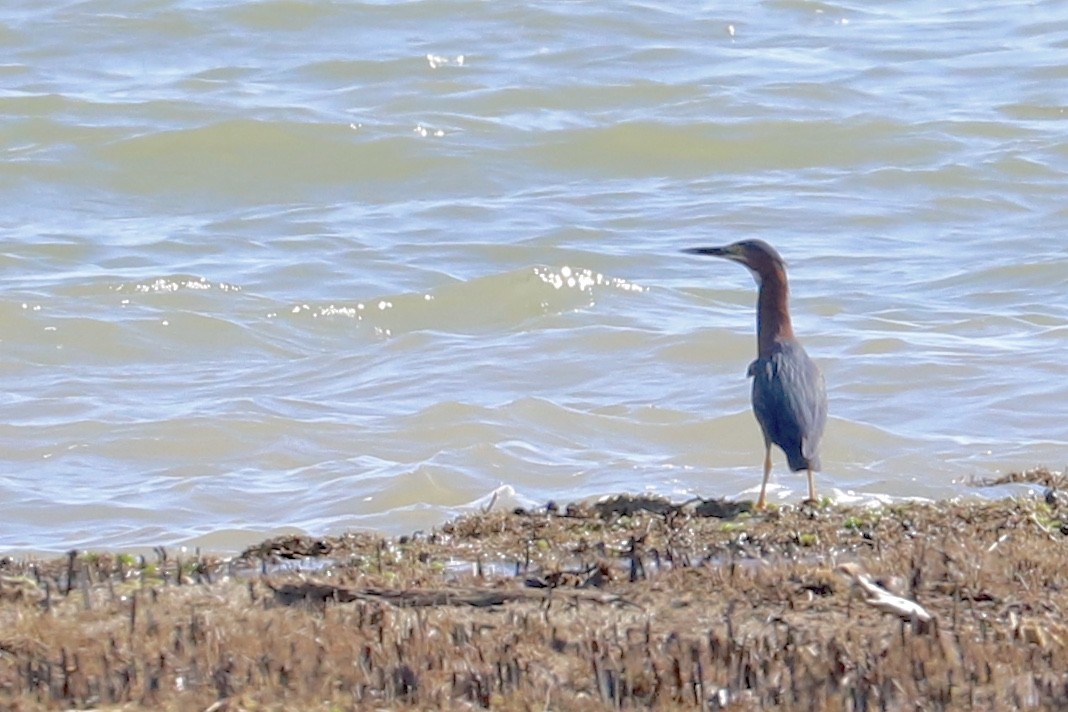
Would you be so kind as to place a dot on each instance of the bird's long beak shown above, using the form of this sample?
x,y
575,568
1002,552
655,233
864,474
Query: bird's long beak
x,y
727,251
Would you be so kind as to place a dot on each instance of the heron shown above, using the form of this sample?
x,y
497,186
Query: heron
x,y
789,395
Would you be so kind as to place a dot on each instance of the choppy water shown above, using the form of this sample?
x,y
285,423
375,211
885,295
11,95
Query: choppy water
x,y
287,265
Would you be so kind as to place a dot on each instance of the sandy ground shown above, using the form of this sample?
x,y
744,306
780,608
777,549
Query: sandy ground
x,y
624,604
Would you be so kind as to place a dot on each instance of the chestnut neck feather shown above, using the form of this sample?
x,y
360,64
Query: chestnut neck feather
x,y
773,312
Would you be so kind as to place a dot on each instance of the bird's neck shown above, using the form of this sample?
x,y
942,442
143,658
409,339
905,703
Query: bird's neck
x,y
773,313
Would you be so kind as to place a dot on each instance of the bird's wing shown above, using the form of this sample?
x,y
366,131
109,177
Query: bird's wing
x,y
789,398
806,396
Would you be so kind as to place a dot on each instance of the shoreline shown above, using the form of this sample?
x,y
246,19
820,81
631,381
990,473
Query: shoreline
x,y
1009,485
631,602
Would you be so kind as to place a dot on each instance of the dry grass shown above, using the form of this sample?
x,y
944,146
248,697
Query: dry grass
x,y
585,610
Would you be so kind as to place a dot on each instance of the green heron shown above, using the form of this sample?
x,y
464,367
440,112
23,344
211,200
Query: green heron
x,y
789,397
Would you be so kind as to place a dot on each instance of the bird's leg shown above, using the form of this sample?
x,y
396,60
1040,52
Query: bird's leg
x,y
762,500
811,486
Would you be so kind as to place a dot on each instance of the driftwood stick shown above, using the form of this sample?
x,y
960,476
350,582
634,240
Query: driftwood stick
x,y
879,597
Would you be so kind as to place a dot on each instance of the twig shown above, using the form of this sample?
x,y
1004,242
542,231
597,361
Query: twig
x,y
879,597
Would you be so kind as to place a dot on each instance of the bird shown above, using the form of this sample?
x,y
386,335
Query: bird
x,y
789,394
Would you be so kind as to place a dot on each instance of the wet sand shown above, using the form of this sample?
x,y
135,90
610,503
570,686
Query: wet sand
x,y
628,603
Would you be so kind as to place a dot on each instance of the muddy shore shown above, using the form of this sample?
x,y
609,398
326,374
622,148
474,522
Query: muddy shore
x,y
628,603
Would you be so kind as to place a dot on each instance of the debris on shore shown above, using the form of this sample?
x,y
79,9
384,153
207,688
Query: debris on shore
x,y
629,603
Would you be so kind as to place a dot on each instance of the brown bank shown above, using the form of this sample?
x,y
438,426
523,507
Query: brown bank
x,y
626,604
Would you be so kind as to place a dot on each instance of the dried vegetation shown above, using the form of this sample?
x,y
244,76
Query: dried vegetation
x,y
630,604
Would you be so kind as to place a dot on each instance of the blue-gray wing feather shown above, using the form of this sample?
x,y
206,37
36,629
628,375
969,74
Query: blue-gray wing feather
x,y
790,403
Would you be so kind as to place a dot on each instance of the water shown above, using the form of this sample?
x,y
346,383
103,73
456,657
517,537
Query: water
x,y
291,266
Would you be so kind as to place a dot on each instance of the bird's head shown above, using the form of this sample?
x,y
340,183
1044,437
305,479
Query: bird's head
x,y
760,257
